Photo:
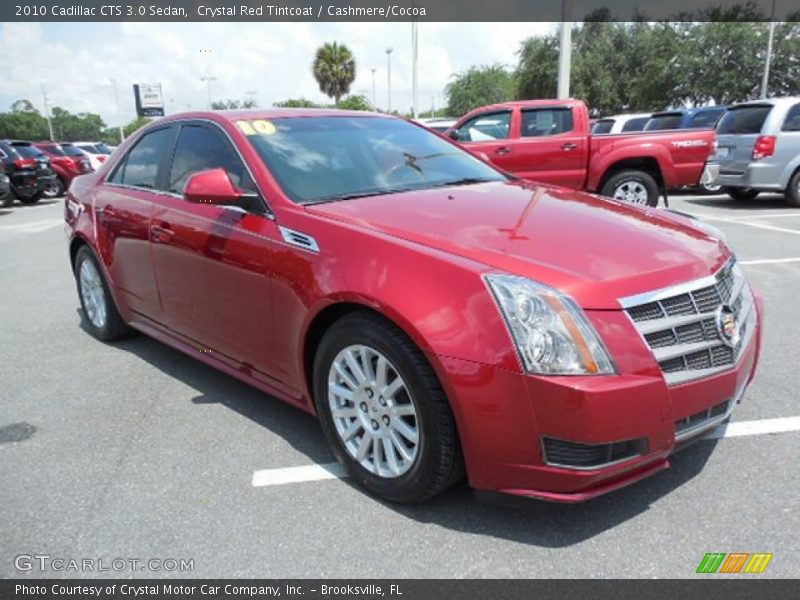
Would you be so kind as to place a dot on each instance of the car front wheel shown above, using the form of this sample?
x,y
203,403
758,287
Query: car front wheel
x,y
383,410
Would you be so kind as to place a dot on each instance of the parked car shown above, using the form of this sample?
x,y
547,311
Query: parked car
x,y
437,314
703,117
621,123
6,196
97,152
758,149
437,124
67,161
549,141
28,169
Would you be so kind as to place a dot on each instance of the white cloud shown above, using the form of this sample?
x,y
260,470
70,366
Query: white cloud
x,y
75,62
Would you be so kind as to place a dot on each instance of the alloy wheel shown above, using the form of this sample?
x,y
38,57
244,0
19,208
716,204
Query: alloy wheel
x,y
373,411
632,192
93,294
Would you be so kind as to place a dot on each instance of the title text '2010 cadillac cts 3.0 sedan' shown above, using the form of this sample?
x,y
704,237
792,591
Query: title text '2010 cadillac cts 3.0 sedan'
x,y
439,316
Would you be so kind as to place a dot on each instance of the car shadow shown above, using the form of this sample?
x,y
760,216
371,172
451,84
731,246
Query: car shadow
x,y
521,520
762,202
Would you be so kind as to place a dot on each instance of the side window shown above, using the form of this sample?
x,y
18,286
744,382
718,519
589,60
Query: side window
x,y
140,167
792,121
199,149
541,122
486,127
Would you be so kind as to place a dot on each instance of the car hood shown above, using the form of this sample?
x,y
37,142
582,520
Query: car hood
x,y
595,249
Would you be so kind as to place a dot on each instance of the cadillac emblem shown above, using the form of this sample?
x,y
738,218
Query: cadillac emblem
x,y
727,325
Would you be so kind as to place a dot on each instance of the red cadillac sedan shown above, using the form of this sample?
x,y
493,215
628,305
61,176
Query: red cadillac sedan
x,y
440,317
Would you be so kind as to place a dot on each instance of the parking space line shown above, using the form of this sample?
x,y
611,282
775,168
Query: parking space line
x,y
756,225
770,261
267,477
306,473
761,427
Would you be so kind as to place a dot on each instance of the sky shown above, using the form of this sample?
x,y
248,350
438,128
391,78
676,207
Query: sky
x,y
74,62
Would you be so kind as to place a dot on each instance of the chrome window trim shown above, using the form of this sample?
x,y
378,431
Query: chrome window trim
x,y
270,214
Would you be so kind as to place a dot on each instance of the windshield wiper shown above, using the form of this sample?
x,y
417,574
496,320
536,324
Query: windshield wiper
x,y
351,196
463,181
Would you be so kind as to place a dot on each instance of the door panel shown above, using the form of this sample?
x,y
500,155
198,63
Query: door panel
x,y
213,267
550,149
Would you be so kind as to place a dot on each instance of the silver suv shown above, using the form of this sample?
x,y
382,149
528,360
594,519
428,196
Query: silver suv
x,y
758,149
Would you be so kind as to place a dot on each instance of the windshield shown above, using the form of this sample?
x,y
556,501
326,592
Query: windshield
x,y
322,159
747,119
603,126
663,122
71,150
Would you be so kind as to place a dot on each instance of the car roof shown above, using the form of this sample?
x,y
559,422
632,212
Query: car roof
x,y
781,101
271,113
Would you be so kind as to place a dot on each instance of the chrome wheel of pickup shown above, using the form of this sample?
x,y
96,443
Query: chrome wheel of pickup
x,y
632,192
373,411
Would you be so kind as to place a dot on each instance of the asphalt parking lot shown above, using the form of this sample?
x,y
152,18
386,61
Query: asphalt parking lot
x,y
133,450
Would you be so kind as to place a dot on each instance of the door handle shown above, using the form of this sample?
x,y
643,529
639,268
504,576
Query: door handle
x,y
502,150
569,146
160,232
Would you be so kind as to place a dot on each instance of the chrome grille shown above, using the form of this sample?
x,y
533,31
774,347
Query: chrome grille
x,y
679,324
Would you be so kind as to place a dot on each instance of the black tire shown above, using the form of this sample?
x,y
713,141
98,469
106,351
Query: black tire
x,y
617,182
55,190
709,189
113,327
793,190
438,463
30,199
7,200
741,194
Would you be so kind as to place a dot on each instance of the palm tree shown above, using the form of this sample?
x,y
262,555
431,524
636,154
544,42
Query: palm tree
x,y
334,69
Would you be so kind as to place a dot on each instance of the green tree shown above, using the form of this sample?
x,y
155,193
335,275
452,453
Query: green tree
x,y
23,122
233,104
296,103
356,102
137,123
82,126
478,86
537,71
784,75
334,68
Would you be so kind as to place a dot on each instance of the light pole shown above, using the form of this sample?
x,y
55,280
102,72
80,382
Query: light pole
x,y
207,80
119,116
374,100
389,75
565,49
414,45
47,114
765,80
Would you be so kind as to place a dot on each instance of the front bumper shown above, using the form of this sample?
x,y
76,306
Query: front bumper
x,y
504,417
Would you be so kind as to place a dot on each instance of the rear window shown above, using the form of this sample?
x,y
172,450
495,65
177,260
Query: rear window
x,y
71,150
603,126
748,119
705,119
26,150
636,124
54,150
102,148
663,122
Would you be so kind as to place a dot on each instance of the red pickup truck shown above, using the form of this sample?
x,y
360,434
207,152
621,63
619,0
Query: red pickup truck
x,y
549,141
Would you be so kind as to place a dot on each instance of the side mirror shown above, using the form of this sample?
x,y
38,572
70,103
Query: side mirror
x,y
213,186
453,135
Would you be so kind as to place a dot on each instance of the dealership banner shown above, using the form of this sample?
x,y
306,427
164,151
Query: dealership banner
x,y
396,10
399,589
149,100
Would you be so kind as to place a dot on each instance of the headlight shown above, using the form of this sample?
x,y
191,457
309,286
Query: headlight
x,y
550,330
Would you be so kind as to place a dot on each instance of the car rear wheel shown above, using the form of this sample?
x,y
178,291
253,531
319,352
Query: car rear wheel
x,y
31,199
99,311
55,189
709,188
741,194
633,187
7,200
384,412
793,191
